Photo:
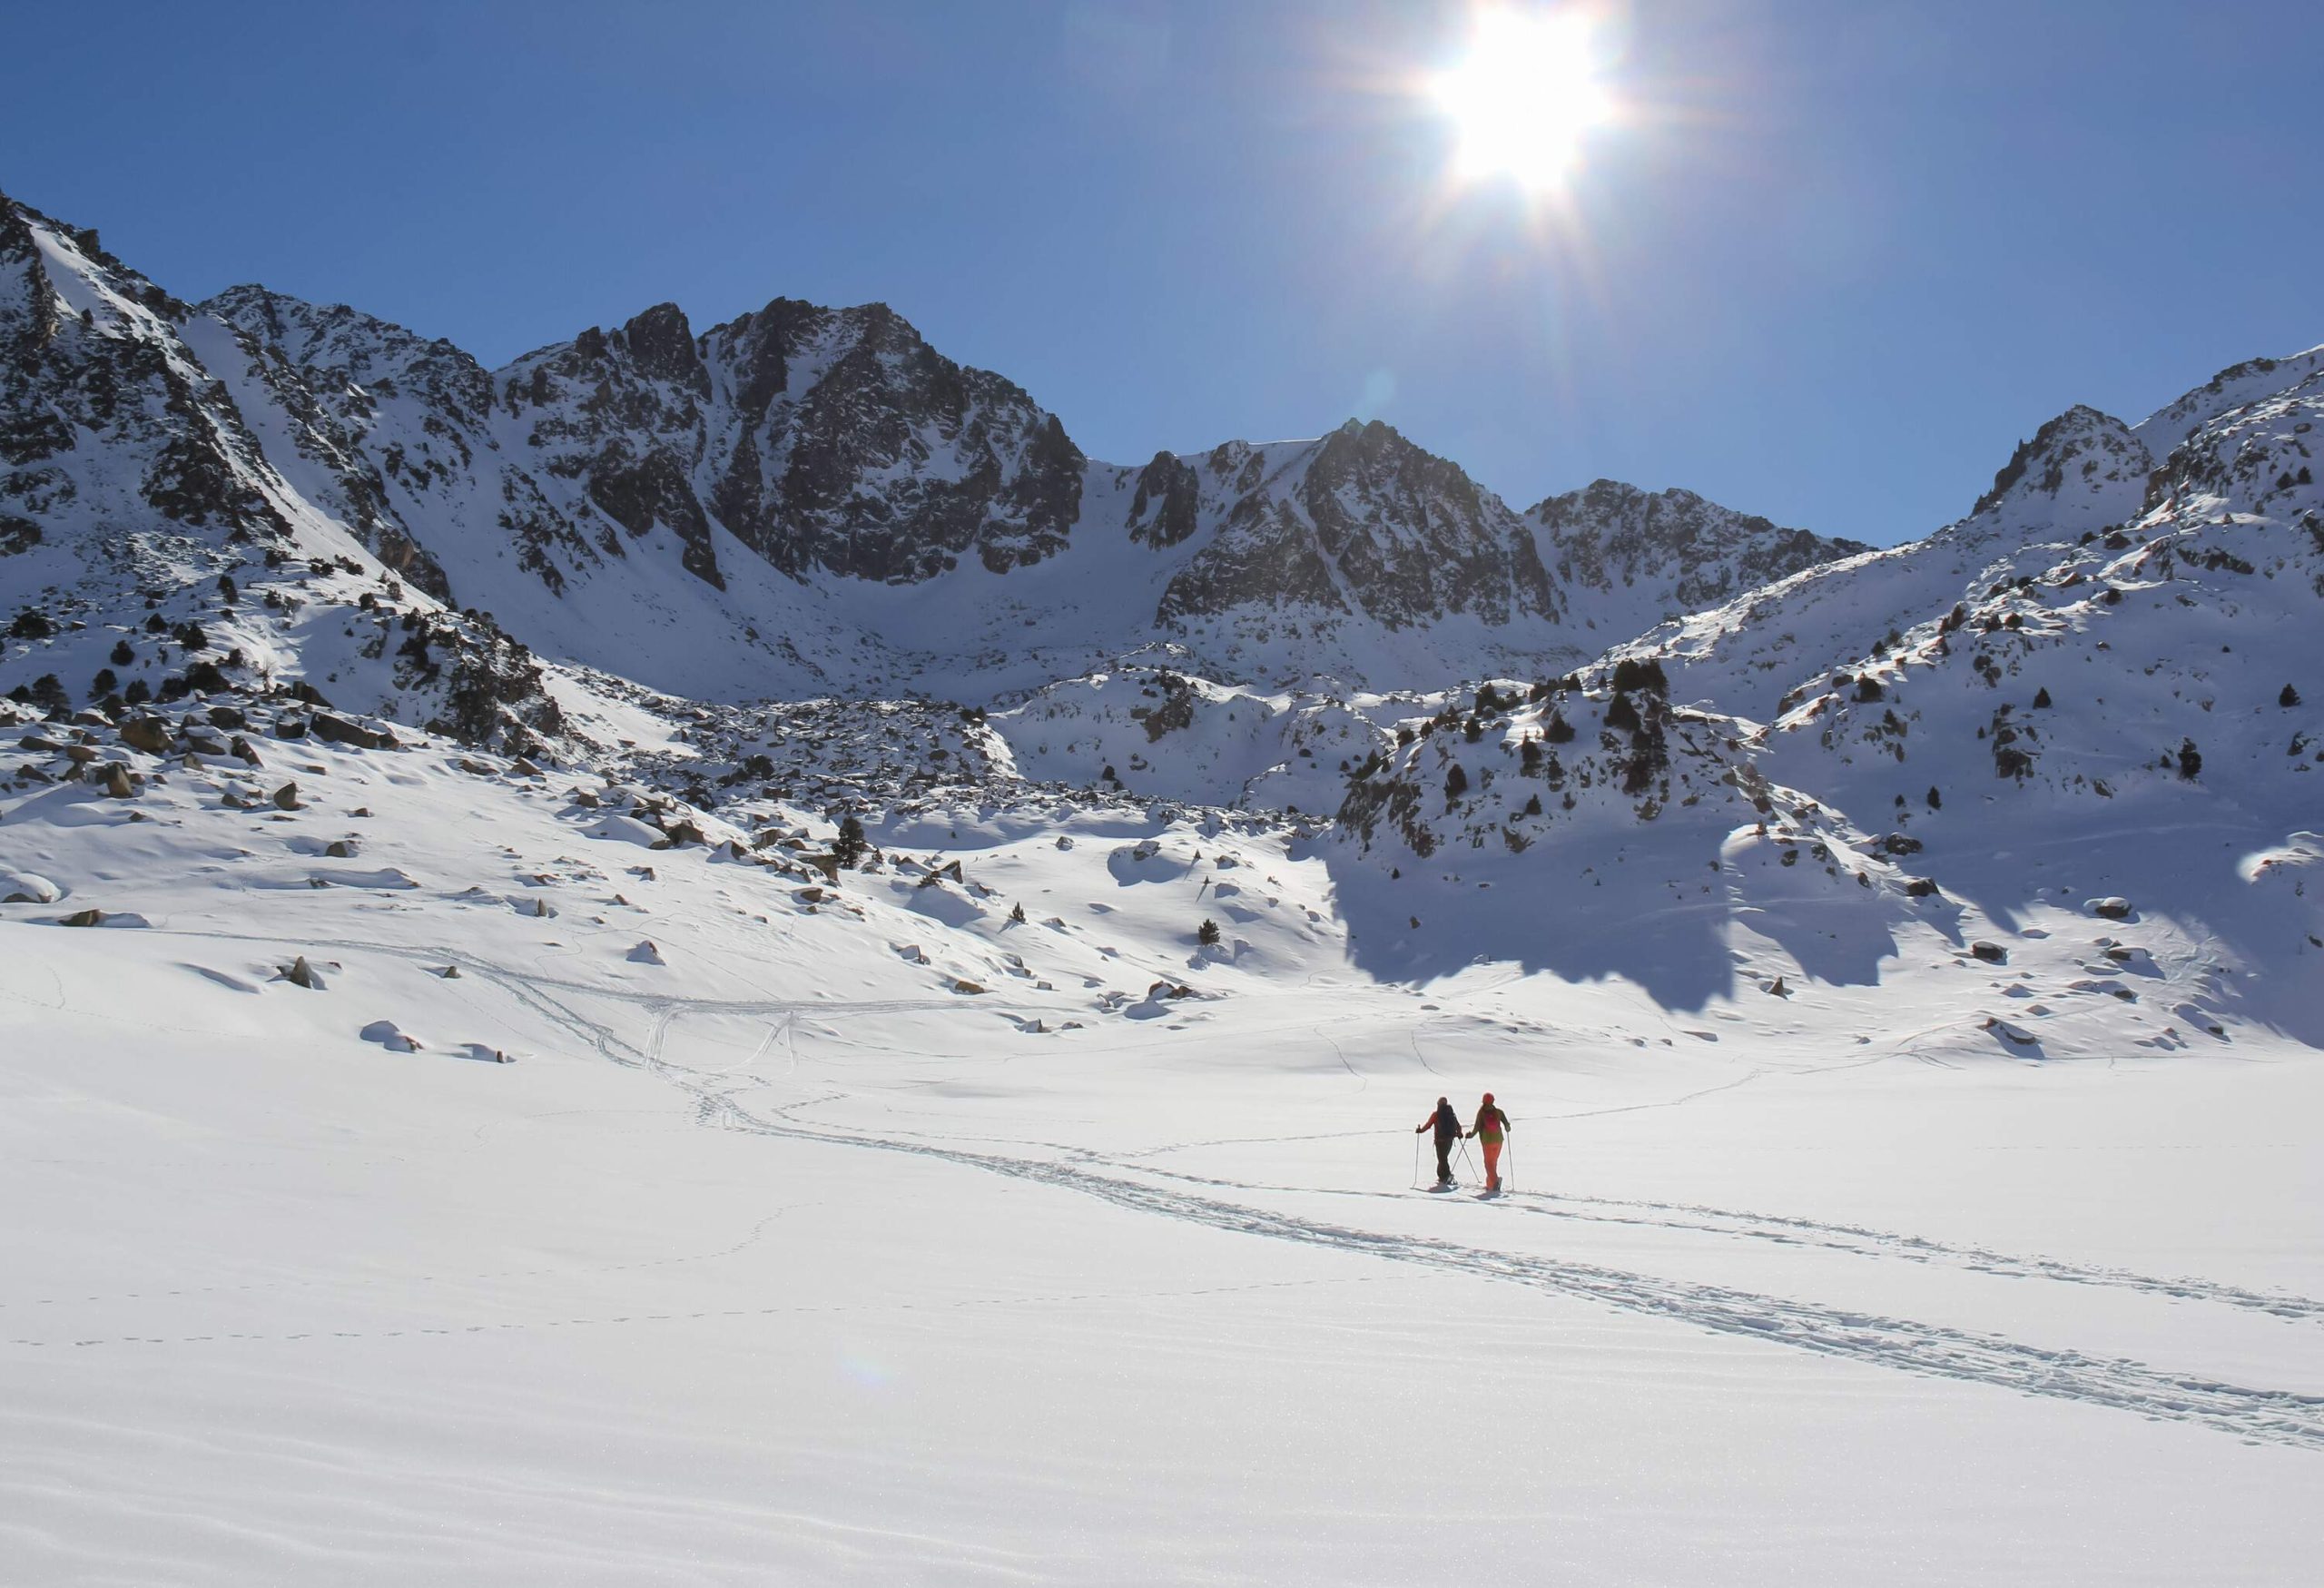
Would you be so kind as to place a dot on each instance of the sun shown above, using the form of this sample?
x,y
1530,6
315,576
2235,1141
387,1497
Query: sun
x,y
1523,96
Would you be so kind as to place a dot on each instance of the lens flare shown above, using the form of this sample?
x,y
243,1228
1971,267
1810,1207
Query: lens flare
x,y
1523,97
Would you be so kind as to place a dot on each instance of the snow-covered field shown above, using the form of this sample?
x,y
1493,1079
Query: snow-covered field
x,y
784,1259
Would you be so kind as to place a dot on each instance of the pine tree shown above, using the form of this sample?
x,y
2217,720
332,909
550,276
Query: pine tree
x,y
1207,933
1456,783
123,655
851,846
1017,914
2042,698
2289,698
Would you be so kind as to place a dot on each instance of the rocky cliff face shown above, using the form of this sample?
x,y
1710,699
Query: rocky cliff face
x,y
1359,522
825,441
1630,557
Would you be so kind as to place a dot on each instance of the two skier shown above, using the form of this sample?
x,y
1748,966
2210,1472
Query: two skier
x,y
1491,1130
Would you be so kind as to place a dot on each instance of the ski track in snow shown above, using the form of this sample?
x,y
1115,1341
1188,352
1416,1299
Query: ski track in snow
x,y
2262,1415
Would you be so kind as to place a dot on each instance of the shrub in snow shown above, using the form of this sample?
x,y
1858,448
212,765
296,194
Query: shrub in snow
x,y
123,654
2042,698
1642,673
2190,760
31,625
1456,783
103,684
1207,933
2289,698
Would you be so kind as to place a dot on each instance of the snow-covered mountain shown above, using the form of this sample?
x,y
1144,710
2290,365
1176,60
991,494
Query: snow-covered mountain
x,y
807,500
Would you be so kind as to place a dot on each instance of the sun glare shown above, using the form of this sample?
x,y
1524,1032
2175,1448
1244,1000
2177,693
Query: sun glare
x,y
1523,96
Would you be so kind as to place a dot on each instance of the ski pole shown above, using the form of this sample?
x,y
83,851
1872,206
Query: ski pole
x,y
1415,1161
1465,1162
1509,1146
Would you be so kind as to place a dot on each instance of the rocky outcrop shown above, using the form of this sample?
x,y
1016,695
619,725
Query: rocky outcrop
x,y
1630,557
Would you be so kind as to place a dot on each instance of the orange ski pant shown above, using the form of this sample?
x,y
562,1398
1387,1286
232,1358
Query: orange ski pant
x,y
1493,1161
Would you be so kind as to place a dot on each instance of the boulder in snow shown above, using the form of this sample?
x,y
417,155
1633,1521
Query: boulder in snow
x,y
391,1037
27,888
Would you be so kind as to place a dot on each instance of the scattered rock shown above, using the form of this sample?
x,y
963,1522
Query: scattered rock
x,y
82,918
2111,908
959,986
291,727
286,798
115,779
1993,953
1776,989
240,749
299,973
450,972
227,717
525,768
338,730
811,896
340,849
149,734
646,953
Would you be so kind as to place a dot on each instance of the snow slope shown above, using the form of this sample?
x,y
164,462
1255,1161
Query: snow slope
x,y
777,1251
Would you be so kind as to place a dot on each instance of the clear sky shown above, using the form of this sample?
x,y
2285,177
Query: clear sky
x,y
1824,261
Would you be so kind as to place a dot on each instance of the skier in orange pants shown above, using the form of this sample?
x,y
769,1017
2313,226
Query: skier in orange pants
x,y
1492,1126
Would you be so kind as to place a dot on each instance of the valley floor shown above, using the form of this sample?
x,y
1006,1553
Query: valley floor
x,y
735,1283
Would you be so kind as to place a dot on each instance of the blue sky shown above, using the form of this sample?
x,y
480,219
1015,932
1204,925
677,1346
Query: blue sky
x,y
1835,261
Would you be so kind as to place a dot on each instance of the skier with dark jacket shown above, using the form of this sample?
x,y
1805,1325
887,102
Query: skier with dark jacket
x,y
1447,1125
1491,1127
